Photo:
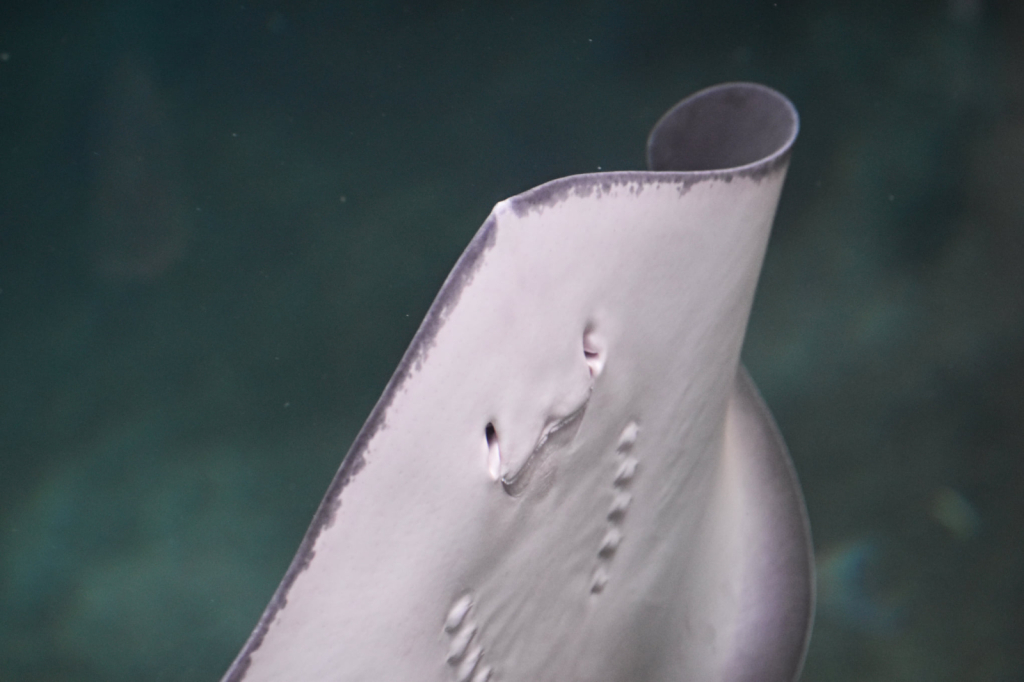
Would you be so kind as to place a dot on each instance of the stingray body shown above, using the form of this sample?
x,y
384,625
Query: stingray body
x,y
570,477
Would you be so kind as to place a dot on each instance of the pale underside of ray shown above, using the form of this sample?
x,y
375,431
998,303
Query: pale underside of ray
x,y
570,477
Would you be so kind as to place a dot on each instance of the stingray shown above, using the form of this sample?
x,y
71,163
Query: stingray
x,y
570,476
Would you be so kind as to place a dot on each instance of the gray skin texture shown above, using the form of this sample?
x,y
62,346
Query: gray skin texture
x,y
734,130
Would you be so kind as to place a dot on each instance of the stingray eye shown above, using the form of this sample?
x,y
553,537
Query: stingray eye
x,y
493,451
593,351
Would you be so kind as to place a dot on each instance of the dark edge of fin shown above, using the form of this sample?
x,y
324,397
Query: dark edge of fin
x,y
354,461
728,131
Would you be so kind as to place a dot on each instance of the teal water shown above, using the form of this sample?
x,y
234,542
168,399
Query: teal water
x,y
220,225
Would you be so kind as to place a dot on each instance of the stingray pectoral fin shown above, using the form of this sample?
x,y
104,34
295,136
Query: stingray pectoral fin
x,y
772,562
563,480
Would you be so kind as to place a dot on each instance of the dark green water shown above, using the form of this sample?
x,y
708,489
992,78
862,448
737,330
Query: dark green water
x,y
221,223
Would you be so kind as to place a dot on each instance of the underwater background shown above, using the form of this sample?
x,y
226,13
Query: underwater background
x,y
221,224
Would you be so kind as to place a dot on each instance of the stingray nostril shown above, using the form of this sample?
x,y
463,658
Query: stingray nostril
x,y
593,351
493,451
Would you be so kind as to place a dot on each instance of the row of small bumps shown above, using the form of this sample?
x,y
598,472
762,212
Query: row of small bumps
x,y
621,499
465,656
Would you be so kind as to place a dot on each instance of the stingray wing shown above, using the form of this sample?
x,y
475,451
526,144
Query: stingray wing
x,y
569,477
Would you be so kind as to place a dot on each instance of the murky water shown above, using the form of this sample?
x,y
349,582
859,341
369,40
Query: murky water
x,y
220,226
